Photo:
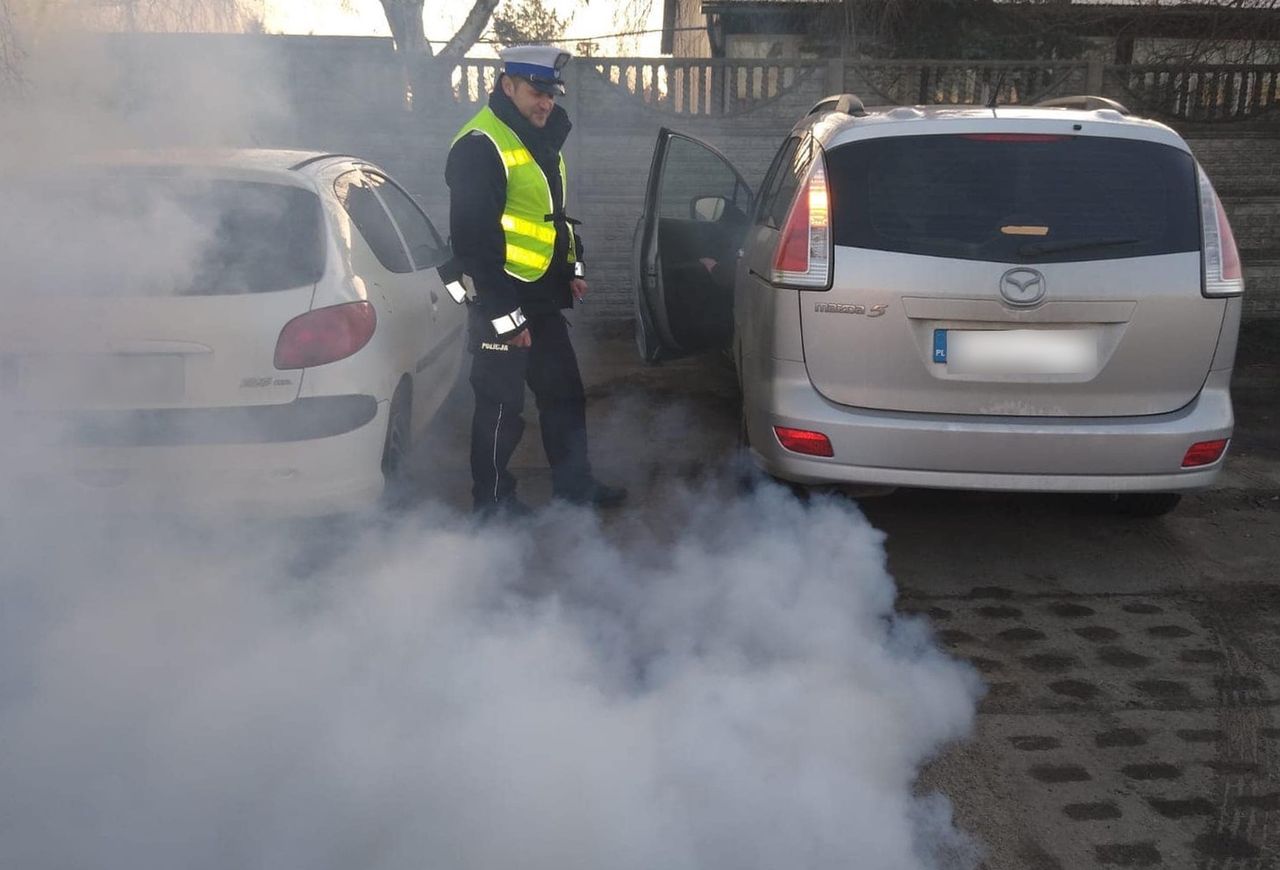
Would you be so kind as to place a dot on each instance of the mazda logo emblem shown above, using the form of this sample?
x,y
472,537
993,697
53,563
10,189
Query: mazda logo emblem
x,y
1022,286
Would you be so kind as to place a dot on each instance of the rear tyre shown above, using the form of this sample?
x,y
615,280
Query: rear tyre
x,y
745,471
395,449
1143,504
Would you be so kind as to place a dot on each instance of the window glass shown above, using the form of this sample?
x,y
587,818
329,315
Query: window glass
x,y
425,247
691,172
220,237
371,220
773,180
1014,199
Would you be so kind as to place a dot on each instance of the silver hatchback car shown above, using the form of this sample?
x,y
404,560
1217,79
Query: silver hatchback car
x,y
1014,298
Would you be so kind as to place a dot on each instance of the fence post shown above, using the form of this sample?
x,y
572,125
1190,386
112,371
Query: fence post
x,y
719,88
1093,83
835,76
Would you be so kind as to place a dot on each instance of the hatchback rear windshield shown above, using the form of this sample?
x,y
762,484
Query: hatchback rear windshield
x,y
1014,198
147,233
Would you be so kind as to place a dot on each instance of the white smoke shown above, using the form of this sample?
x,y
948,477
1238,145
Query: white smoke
x,y
729,689
710,681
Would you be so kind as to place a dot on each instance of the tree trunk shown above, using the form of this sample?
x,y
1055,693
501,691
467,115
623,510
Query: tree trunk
x,y
423,73
405,19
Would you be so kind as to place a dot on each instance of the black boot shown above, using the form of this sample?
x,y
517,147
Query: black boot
x,y
504,510
595,494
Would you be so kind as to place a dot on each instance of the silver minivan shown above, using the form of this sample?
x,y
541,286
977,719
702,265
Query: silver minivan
x,y
1010,298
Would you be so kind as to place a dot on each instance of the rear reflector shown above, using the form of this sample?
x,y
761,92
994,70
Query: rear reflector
x,y
804,441
325,335
1223,275
1204,453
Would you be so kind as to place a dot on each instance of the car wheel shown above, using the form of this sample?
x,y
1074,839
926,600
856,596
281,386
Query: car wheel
x,y
395,449
1143,504
746,473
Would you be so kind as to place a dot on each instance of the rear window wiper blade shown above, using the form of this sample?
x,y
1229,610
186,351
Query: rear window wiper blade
x,y
1036,249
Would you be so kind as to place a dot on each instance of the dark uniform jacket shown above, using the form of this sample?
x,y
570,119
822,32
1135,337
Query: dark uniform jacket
x,y
478,196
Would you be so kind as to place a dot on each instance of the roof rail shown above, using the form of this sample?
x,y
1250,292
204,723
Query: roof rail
x,y
845,104
1084,102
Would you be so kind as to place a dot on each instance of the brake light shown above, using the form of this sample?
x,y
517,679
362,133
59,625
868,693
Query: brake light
x,y
325,335
1223,274
803,258
1014,137
804,441
1204,453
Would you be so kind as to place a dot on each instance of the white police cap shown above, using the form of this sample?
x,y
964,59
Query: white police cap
x,y
539,64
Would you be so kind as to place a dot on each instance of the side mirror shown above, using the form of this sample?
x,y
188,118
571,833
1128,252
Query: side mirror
x,y
707,208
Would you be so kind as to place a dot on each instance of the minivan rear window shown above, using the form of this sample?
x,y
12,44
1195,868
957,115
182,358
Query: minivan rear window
x,y
1014,198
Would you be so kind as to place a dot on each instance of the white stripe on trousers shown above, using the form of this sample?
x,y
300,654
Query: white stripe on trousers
x,y
496,427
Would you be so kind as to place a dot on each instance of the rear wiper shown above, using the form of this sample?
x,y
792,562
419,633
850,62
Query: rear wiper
x,y
1036,249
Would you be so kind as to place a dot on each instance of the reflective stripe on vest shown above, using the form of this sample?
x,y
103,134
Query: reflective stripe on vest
x,y
531,239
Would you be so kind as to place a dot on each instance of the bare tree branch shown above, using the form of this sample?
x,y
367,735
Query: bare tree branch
x,y
470,31
628,16
164,16
12,52
525,22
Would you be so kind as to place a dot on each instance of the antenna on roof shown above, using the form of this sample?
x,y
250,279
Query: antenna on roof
x,y
995,92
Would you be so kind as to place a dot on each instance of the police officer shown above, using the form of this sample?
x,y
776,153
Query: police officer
x,y
514,241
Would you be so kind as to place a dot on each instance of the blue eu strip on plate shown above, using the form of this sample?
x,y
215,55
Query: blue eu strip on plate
x,y
940,345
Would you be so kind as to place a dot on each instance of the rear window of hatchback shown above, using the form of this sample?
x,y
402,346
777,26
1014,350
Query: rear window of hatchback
x,y
1015,198
174,233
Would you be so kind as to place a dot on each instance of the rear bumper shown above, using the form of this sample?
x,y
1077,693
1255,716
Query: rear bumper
x,y
258,475
303,419
1116,454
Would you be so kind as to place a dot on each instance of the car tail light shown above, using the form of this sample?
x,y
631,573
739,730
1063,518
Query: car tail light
x,y
325,335
1223,274
803,258
804,441
1204,453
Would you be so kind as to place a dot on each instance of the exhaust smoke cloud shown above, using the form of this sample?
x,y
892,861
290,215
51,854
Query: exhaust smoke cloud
x,y
712,681
731,690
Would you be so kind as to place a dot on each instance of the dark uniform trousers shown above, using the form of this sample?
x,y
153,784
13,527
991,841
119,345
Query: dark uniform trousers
x,y
499,373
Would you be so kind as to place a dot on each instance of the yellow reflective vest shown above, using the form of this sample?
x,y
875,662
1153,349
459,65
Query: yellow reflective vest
x,y
530,236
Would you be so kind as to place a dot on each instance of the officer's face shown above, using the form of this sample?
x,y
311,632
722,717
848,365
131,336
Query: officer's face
x,y
531,102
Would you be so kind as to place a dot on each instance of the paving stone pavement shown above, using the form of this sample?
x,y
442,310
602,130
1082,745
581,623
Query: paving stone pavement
x,y
1132,666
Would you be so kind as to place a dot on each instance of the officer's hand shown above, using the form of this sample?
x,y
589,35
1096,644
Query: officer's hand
x,y
521,340
579,287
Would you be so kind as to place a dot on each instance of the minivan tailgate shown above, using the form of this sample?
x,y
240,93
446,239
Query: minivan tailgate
x,y
903,332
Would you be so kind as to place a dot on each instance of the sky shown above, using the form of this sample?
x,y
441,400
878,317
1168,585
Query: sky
x,y
365,18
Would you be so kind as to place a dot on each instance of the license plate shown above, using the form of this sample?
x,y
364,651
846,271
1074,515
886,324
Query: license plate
x,y
1015,351
101,379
